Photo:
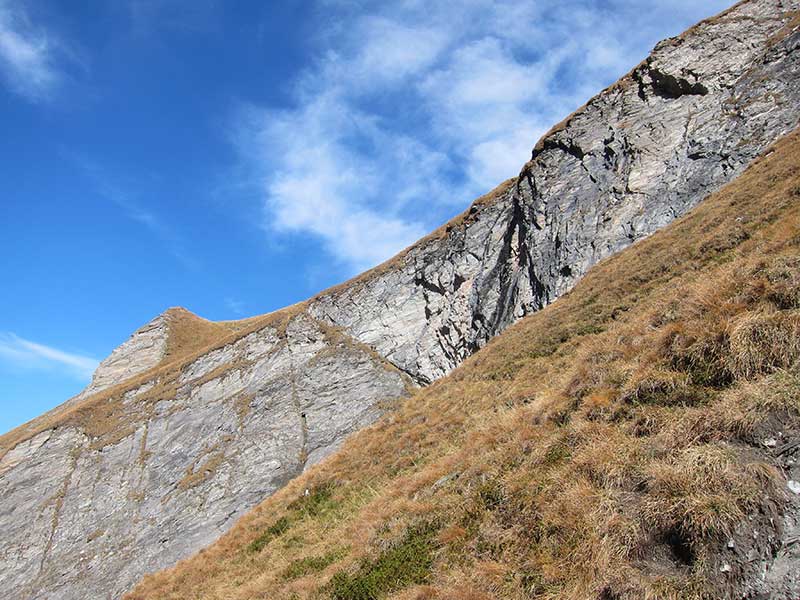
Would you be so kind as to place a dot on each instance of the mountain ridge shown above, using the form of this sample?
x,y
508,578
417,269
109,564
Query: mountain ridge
x,y
192,443
635,439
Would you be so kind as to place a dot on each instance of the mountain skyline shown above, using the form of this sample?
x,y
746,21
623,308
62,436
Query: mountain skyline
x,y
113,157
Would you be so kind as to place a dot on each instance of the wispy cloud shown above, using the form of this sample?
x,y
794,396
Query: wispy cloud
x,y
235,306
119,194
412,108
22,353
149,16
28,54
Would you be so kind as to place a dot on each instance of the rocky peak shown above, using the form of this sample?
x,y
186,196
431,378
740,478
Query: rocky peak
x,y
143,350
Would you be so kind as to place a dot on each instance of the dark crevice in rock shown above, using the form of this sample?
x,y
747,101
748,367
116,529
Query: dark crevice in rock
x,y
531,180
568,146
445,342
420,281
484,327
669,86
539,292
640,84
513,267
609,156
666,85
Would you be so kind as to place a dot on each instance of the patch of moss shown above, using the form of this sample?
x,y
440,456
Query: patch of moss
x,y
589,329
491,494
275,530
311,564
408,562
311,504
556,453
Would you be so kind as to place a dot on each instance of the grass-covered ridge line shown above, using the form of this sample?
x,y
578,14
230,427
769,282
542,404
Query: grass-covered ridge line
x,y
607,447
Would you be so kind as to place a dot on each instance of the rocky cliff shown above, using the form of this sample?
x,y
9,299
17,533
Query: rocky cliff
x,y
638,438
190,423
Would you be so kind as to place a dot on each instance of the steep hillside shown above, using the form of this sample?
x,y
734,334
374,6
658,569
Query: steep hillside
x,y
189,424
640,438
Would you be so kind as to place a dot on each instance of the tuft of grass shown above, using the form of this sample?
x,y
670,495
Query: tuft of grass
x,y
664,388
405,563
763,341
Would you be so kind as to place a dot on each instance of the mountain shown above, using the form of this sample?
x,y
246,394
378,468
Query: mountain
x,y
189,424
638,438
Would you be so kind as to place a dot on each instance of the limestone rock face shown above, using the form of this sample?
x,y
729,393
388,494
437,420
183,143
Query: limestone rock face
x,y
687,120
141,352
82,519
158,457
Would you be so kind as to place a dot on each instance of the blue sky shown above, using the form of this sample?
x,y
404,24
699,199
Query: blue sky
x,y
234,158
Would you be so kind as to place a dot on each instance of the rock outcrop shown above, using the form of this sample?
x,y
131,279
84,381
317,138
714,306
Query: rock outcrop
x,y
164,467
174,440
141,352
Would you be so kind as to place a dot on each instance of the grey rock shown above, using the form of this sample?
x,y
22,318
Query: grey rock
x,y
142,351
770,562
686,121
87,509
81,521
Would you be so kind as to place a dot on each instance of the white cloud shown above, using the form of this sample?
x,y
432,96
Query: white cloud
x,y
381,51
324,182
27,54
414,107
26,354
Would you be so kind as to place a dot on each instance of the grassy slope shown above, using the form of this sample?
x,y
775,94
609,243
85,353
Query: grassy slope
x,y
605,447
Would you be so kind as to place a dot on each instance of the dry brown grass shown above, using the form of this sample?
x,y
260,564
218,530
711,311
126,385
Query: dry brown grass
x,y
602,448
189,333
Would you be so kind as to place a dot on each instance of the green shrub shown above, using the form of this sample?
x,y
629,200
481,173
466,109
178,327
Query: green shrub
x,y
311,564
408,562
277,529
